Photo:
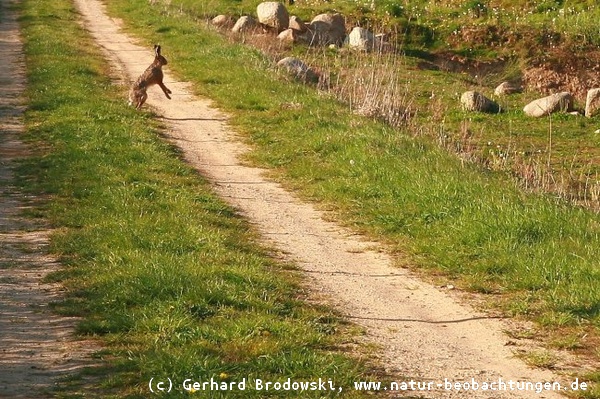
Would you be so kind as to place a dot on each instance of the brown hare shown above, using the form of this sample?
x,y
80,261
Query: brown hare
x,y
153,75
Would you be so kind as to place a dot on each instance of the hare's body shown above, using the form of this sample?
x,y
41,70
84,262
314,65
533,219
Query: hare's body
x,y
153,75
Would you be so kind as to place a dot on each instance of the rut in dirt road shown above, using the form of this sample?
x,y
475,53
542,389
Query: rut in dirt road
x,y
423,332
37,347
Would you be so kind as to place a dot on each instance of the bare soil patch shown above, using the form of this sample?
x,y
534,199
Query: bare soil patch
x,y
422,332
37,347
562,69
550,62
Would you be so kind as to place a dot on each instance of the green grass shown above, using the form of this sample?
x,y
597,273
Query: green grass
x,y
423,24
567,164
167,275
161,298
535,255
462,220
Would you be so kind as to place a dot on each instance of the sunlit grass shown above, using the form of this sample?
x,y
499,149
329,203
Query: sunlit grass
x,y
170,278
467,224
121,222
461,219
395,87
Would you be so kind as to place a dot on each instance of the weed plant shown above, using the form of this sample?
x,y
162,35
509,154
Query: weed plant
x,y
533,255
165,273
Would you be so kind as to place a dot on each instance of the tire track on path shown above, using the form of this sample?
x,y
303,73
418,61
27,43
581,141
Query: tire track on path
x,y
422,332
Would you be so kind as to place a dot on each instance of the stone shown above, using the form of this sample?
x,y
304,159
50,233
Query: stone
x,y
288,36
559,102
592,103
477,102
299,69
326,29
244,24
507,88
297,24
223,21
273,14
362,39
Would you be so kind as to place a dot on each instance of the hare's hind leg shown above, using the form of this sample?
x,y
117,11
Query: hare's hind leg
x,y
141,100
165,90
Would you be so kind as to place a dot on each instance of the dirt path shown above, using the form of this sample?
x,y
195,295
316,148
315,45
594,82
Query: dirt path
x,y
423,332
37,348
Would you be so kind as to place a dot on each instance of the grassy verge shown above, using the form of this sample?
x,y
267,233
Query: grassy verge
x,y
166,274
531,255
561,156
476,28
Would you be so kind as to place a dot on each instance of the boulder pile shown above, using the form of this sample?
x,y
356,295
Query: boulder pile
x,y
324,30
558,102
329,29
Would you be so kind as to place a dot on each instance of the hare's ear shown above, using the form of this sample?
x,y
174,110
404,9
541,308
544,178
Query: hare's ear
x,y
157,49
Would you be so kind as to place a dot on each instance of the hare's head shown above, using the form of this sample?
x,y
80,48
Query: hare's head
x,y
159,58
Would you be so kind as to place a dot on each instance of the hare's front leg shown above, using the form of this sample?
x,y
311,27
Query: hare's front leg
x,y
165,89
